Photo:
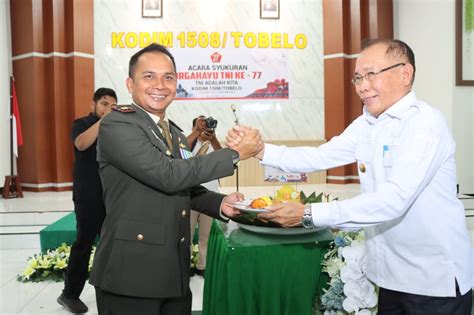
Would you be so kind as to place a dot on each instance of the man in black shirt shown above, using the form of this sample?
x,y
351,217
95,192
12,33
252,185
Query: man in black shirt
x,y
87,197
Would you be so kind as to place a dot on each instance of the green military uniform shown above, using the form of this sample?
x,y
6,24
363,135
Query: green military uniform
x,y
149,192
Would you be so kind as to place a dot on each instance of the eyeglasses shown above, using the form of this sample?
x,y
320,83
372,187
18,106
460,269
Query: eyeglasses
x,y
370,76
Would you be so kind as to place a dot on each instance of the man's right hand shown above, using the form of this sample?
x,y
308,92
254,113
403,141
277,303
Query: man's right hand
x,y
247,141
108,110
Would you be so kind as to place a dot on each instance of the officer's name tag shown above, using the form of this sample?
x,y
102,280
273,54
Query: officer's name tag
x,y
185,154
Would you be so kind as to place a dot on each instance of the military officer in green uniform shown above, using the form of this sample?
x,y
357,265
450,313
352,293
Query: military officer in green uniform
x,y
151,182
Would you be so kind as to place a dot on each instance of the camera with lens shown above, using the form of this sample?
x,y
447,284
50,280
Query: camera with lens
x,y
211,123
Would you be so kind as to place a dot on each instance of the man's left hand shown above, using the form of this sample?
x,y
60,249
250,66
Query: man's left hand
x,y
227,206
208,135
287,214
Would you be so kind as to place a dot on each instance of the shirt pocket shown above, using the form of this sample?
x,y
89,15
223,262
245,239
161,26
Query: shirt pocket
x,y
142,232
364,166
388,157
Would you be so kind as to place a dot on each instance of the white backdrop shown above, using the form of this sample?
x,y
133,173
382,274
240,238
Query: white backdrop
x,y
300,117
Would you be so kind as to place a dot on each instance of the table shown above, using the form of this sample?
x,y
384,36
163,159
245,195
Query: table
x,y
250,273
60,231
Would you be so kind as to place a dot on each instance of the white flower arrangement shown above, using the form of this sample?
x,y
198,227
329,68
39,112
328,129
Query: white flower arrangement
x,y
49,266
349,291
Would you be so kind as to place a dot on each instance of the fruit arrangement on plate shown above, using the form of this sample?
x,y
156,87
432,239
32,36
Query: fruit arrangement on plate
x,y
286,193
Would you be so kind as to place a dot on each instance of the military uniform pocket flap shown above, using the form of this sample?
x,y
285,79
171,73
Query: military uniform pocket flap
x,y
141,232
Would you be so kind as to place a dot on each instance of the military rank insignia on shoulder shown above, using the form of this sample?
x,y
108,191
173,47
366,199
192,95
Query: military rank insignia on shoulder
x,y
124,108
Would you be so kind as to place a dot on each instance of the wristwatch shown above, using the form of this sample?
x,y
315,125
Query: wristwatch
x,y
235,157
307,219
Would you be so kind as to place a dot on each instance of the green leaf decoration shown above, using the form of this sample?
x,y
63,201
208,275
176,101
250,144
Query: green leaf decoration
x,y
302,196
311,198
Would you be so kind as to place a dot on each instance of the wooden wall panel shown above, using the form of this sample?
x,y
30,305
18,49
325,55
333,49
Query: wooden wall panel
x,y
51,86
59,107
22,42
333,26
82,85
83,26
334,95
381,19
46,27
40,33
28,111
59,24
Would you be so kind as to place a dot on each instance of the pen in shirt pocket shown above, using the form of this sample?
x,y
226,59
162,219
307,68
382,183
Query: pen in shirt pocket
x,y
386,157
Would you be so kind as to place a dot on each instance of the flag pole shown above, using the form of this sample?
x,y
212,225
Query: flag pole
x,y
11,127
236,121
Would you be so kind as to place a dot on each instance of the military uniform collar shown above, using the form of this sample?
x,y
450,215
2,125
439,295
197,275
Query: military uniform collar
x,y
154,117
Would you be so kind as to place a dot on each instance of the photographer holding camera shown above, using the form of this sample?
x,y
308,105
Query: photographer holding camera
x,y
202,140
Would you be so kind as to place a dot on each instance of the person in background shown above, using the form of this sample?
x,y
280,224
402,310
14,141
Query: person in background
x,y
202,140
418,247
151,181
87,197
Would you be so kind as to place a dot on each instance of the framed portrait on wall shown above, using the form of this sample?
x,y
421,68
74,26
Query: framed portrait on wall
x,y
152,8
464,43
269,9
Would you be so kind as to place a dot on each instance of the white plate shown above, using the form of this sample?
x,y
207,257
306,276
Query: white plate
x,y
245,206
250,209
277,230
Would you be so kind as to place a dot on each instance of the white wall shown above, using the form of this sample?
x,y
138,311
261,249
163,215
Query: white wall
x,y
5,71
300,117
428,27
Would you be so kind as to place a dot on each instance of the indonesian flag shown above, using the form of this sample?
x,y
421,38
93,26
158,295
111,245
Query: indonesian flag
x,y
17,134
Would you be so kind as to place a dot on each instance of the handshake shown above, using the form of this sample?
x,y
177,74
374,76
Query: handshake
x,y
247,141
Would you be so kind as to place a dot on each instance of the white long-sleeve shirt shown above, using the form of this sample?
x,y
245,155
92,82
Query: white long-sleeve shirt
x,y
416,235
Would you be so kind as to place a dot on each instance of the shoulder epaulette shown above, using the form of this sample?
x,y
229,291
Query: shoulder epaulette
x,y
172,123
124,108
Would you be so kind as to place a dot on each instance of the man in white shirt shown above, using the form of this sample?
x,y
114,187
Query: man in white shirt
x,y
418,247
202,140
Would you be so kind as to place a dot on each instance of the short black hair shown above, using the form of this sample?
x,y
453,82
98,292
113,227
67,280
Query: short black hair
x,y
395,48
101,92
150,48
195,119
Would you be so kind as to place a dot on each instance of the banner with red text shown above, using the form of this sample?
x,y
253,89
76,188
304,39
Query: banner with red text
x,y
231,74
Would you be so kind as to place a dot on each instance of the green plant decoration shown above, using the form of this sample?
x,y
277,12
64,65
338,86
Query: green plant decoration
x,y
469,15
